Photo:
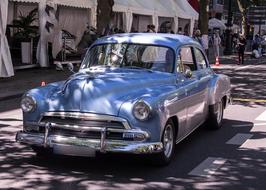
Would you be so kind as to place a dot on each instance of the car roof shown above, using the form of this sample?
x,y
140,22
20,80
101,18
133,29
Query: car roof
x,y
168,40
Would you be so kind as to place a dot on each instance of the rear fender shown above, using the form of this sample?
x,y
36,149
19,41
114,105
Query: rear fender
x,y
219,87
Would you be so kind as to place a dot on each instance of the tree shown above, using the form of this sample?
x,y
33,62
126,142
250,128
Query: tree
x,y
204,16
104,15
203,21
243,6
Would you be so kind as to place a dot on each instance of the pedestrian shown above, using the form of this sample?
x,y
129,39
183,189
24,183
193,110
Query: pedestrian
x,y
197,36
256,42
216,44
180,31
89,36
234,42
150,28
241,48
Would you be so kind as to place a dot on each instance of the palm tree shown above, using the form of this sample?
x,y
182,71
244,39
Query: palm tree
x,y
24,25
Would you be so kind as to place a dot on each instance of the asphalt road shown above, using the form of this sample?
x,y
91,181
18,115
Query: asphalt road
x,y
233,157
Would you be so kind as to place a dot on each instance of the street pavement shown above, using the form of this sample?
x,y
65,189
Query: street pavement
x,y
233,157
248,82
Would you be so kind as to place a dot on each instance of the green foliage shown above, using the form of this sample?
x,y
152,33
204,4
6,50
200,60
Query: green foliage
x,y
25,30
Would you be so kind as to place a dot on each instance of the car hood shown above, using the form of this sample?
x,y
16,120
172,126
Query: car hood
x,y
104,91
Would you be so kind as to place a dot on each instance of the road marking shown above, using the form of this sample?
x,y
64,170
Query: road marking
x,y
261,117
258,128
259,124
243,125
254,144
249,100
239,139
208,167
240,68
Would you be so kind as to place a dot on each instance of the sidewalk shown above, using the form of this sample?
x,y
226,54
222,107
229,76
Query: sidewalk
x,y
24,80
233,59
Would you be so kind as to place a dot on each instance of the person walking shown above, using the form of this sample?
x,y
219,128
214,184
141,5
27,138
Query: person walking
x,y
241,49
216,44
197,36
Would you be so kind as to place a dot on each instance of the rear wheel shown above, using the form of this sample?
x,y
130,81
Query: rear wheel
x,y
215,118
168,140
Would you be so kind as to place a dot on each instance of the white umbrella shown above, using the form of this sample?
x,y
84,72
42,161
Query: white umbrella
x,y
216,23
6,67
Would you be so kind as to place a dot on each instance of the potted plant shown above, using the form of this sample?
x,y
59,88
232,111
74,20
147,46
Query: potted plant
x,y
25,33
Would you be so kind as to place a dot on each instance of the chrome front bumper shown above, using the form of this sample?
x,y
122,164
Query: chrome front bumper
x,y
84,147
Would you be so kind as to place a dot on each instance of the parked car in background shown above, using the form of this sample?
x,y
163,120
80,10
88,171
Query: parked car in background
x,y
134,93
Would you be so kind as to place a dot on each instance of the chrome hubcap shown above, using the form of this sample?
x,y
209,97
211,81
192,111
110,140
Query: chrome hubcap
x,y
219,112
168,140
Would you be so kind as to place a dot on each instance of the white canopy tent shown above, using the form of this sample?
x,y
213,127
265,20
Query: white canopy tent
x,y
189,10
70,19
6,67
155,9
73,17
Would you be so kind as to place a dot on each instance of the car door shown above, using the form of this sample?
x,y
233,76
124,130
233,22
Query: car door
x,y
203,74
194,97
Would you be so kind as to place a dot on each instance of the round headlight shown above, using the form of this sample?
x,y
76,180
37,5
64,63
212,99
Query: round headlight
x,y
141,110
28,104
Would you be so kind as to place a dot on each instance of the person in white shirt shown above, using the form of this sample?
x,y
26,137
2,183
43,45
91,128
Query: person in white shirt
x,y
216,44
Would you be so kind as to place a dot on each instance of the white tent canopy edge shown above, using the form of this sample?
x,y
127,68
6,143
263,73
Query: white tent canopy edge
x,y
6,67
155,9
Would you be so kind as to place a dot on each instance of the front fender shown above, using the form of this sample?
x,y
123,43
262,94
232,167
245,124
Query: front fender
x,y
41,95
219,87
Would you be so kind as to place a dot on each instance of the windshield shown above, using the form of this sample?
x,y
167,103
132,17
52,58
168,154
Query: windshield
x,y
130,56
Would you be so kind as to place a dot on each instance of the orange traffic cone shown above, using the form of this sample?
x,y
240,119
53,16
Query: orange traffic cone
x,y
43,83
217,62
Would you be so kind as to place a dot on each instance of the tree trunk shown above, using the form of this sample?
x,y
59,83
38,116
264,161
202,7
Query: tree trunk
x,y
104,15
243,15
204,16
204,23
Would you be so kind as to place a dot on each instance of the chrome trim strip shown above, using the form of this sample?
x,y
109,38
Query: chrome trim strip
x,y
88,116
103,137
93,129
46,134
110,145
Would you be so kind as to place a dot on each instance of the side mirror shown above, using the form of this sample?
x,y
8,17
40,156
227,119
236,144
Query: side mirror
x,y
188,73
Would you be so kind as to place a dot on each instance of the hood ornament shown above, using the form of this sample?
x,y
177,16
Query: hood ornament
x,y
81,76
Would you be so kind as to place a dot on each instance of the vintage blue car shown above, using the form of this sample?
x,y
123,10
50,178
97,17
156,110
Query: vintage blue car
x,y
134,93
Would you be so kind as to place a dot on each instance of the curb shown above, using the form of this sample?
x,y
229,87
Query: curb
x,y
13,96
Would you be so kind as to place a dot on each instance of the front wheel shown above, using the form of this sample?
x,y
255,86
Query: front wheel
x,y
215,118
168,140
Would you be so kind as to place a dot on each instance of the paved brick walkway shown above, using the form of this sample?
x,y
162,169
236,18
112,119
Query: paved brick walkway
x,y
27,79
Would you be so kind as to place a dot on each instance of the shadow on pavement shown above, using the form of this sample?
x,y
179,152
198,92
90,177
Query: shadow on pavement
x,y
247,84
21,169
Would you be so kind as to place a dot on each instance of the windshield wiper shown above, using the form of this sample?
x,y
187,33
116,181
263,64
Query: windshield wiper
x,y
139,68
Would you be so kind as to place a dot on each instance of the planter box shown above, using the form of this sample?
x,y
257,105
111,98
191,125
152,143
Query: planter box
x,y
26,52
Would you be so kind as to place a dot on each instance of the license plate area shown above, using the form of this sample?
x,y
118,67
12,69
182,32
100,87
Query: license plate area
x,y
74,150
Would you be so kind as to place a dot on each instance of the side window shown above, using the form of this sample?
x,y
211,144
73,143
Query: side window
x,y
199,57
185,60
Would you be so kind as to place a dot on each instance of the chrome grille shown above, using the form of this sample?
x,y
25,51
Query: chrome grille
x,y
83,125
82,122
